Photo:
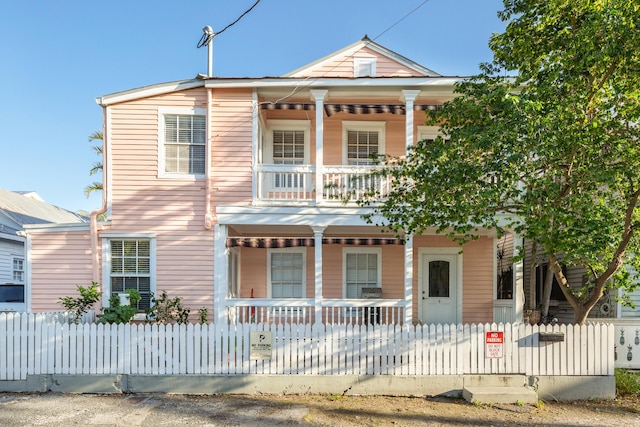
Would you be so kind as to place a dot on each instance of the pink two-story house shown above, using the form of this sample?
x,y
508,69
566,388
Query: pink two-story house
x,y
230,193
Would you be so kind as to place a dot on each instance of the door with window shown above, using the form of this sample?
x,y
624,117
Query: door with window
x,y
440,288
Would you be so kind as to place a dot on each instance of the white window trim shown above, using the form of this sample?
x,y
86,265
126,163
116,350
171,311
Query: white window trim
x,y
359,250
162,111
303,251
106,263
286,125
358,61
428,132
24,269
348,125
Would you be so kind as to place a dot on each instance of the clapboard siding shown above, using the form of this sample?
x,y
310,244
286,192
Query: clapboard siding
x,y
59,262
343,66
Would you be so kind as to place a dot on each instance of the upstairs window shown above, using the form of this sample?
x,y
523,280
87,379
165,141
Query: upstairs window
x,y
364,142
364,66
183,145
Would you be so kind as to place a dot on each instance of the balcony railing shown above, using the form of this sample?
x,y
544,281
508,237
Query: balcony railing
x,y
334,311
296,183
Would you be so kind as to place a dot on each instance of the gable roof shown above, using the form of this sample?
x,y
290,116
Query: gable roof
x,y
405,73
363,45
17,210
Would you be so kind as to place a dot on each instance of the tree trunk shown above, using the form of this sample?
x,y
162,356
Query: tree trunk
x,y
546,295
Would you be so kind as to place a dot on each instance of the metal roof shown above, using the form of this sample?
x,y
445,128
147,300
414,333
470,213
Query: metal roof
x,y
17,210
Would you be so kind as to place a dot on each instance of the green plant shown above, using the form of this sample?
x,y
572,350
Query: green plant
x,y
627,383
80,305
203,313
167,310
117,313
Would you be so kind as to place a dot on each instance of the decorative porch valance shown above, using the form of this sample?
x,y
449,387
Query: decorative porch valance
x,y
293,242
331,109
299,106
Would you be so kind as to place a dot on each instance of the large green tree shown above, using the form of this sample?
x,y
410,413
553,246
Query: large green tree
x,y
552,152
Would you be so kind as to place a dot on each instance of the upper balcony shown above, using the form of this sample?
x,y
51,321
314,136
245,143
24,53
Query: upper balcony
x,y
325,154
297,184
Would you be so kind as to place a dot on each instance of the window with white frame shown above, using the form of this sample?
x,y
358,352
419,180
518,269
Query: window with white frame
x,y
364,66
130,263
362,268
286,273
363,142
288,142
182,143
18,270
428,133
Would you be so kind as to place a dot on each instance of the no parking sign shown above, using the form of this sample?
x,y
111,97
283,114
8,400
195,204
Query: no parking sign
x,y
494,345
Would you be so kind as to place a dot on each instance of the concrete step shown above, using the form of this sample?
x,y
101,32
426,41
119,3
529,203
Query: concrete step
x,y
488,394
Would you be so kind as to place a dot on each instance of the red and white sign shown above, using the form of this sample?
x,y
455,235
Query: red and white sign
x,y
494,345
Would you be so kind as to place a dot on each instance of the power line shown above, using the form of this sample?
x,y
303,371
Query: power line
x,y
239,18
401,19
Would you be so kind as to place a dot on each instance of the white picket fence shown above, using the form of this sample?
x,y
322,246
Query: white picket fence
x,y
29,344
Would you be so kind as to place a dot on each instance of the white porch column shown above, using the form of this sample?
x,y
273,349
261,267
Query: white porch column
x,y
408,97
408,279
319,96
317,249
220,274
518,280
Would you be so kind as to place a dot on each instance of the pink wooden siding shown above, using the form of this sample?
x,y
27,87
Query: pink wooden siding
x,y
59,262
478,281
477,276
231,150
343,66
171,209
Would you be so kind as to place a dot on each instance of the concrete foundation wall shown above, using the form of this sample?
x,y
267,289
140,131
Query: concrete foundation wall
x,y
548,388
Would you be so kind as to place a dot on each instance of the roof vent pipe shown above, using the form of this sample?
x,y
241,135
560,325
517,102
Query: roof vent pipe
x,y
207,40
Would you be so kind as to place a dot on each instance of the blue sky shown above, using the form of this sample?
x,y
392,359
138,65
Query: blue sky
x,y
58,56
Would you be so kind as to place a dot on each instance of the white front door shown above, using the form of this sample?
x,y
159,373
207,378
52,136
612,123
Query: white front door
x,y
439,287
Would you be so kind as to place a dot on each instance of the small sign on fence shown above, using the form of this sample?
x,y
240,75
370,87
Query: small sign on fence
x,y
260,345
494,345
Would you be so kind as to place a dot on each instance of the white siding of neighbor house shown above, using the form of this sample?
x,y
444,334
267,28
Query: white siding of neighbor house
x,y
8,250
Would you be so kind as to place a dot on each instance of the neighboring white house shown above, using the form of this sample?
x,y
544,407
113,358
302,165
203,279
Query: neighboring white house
x,y
16,210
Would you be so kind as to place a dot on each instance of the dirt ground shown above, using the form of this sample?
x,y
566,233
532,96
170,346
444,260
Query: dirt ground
x,y
54,409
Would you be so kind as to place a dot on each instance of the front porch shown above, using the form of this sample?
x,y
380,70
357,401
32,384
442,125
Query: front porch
x,y
364,278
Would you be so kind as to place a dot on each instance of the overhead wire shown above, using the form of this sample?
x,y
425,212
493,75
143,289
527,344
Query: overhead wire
x,y
301,85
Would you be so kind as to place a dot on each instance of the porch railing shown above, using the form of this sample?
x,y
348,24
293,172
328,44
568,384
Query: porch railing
x,y
334,311
296,183
353,182
291,183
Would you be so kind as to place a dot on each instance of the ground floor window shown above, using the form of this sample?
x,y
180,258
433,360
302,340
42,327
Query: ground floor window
x,y
286,273
18,270
130,267
362,269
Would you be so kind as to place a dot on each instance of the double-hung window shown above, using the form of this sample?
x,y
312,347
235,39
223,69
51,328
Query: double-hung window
x,y
182,143
362,268
288,149
363,142
18,270
287,146
286,273
130,265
